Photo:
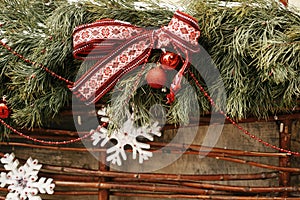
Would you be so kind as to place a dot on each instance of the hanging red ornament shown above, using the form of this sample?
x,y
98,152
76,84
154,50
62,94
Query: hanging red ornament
x,y
156,77
284,2
169,60
4,110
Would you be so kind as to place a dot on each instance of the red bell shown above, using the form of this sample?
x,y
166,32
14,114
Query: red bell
x,y
169,60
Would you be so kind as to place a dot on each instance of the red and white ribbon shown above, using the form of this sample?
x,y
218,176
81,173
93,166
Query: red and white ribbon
x,y
119,47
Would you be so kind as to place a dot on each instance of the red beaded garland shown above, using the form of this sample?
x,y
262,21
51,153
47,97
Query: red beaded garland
x,y
35,64
235,123
168,60
44,141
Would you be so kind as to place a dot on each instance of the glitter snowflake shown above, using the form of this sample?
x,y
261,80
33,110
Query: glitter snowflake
x,y
23,181
128,134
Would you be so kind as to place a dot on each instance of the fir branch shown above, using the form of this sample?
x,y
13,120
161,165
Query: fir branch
x,y
241,42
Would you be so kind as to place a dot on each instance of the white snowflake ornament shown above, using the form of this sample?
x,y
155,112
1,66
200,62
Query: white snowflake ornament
x,y
126,135
23,181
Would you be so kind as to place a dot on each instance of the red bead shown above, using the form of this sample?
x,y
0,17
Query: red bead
x,y
156,78
169,60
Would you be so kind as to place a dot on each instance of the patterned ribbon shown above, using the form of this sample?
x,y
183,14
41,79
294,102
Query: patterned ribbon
x,y
119,47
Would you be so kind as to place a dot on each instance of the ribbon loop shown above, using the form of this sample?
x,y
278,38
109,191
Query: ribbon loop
x,y
119,47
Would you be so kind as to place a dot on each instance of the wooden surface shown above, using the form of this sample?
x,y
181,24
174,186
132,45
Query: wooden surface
x,y
231,138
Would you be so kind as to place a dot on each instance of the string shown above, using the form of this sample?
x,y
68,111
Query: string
x,y
35,64
44,141
233,122
246,132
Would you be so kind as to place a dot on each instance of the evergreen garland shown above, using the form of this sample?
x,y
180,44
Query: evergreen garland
x,y
256,47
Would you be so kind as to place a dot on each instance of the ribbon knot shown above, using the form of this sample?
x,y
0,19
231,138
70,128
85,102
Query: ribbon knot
x,y
119,47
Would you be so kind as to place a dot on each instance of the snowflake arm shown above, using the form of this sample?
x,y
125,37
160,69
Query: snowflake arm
x,y
44,185
115,154
100,134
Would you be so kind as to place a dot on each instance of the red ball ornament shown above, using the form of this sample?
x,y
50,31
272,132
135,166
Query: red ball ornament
x,y
4,111
169,60
156,78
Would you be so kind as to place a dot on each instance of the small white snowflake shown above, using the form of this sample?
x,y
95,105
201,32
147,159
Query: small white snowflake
x,y
127,135
22,181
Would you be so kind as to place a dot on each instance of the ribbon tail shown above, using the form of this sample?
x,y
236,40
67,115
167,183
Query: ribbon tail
x,y
176,83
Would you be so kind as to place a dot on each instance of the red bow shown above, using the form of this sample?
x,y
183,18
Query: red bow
x,y
120,47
